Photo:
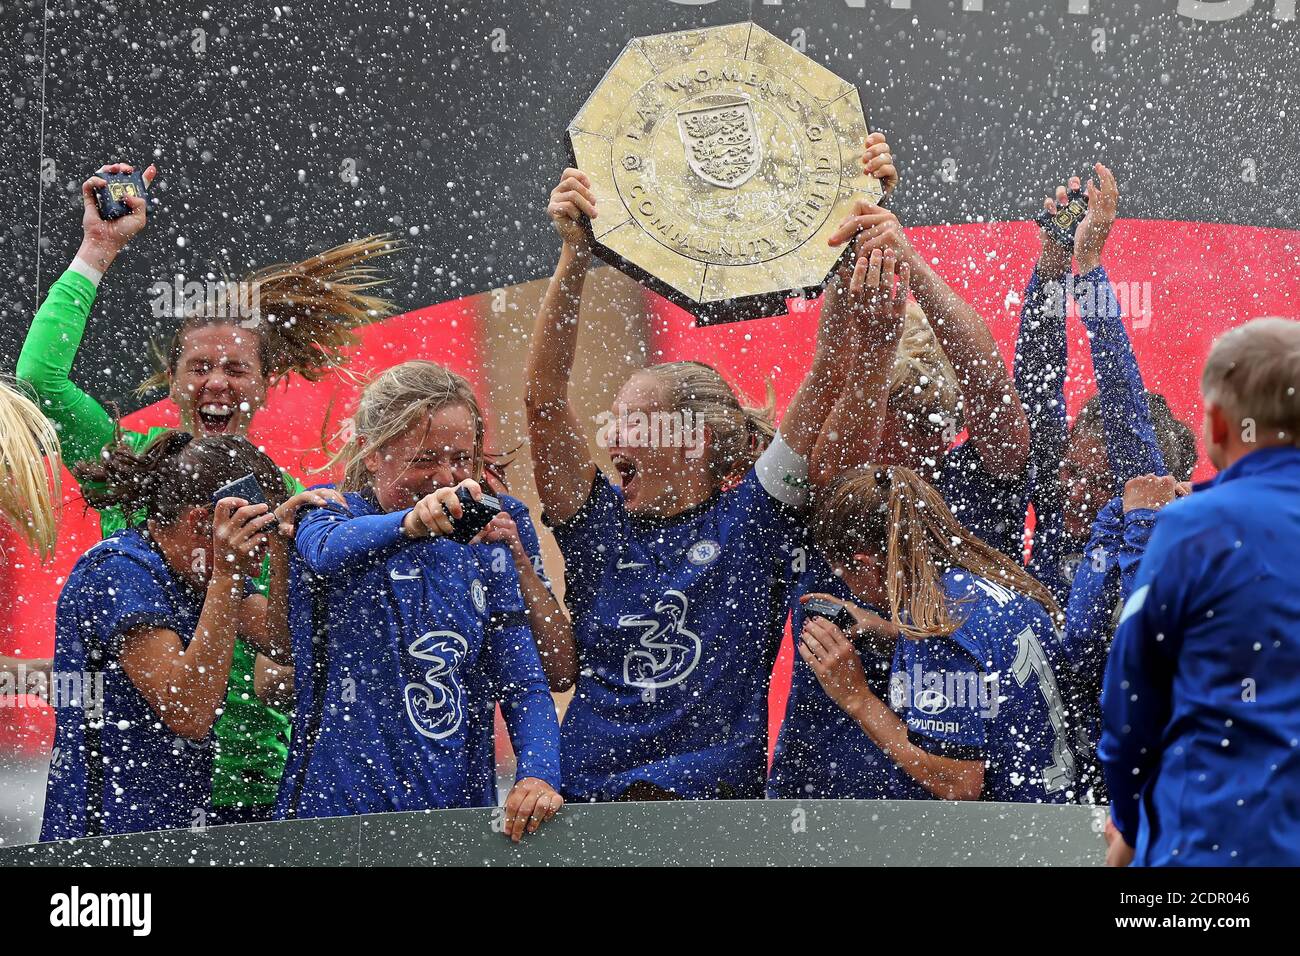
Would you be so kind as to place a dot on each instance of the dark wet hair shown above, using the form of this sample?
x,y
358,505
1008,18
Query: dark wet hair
x,y
174,473
1176,439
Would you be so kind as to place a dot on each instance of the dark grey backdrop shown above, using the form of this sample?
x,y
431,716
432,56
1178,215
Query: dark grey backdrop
x,y
452,115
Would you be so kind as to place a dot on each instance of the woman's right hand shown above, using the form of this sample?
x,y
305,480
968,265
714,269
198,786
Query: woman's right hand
x,y
435,514
570,201
239,537
1054,258
106,238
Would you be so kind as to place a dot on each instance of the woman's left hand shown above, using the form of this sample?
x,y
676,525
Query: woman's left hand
x,y
530,804
287,513
834,661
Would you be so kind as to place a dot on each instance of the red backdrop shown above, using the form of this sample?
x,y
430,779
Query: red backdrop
x,y
1200,280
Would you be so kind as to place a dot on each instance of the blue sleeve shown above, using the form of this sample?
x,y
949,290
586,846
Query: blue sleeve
x,y
956,732
1125,418
1041,364
514,670
1137,692
330,539
589,541
1093,596
122,595
1138,525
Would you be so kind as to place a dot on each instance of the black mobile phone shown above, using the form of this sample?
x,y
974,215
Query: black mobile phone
x,y
475,515
1065,223
111,200
246,488
833,611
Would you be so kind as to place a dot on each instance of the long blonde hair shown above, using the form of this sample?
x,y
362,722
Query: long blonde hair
x,y
896,512
738,433
30,471
393,403
306,312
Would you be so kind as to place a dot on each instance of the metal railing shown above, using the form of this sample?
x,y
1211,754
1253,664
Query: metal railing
x,y
703,833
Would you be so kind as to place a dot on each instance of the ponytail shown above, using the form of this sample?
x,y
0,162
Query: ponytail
x,y
304,314
175,473
896,512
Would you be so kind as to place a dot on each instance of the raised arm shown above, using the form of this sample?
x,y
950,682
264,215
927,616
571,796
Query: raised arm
x,y
1131,444
994,419
873,318
562,463
45,362
805,417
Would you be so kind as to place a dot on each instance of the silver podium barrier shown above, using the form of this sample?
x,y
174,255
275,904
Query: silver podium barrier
x,y
688,833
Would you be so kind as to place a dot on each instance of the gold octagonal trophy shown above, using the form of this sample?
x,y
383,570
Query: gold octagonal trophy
x,y
721,160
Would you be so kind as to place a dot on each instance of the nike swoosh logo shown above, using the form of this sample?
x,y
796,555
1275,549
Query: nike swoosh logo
x,y
626,565
401,576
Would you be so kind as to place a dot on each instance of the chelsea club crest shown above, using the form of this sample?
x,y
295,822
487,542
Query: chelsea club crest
x,y
478,594
703,552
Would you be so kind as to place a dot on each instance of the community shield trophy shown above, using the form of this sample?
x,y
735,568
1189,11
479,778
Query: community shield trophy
x,y
722,159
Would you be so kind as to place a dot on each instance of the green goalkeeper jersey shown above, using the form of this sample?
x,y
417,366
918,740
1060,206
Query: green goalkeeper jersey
x,y
251,738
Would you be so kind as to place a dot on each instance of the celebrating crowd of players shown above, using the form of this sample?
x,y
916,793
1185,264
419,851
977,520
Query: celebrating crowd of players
x,y
291,652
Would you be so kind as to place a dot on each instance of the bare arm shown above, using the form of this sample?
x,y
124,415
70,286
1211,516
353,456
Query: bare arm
x,y
838,668
551,629
993,416
806,416
273,683
944,777
186,684
853,431
562,464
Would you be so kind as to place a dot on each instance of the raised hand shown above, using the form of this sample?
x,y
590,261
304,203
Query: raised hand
x,y
879,302
239,537
435,514
1054,259
1103,203
878,161
572,199
104,239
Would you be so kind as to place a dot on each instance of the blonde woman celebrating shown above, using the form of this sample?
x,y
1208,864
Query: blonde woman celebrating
x,y
973,709
403,638
678,576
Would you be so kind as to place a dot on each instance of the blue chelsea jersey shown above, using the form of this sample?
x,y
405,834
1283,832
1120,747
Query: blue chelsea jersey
x,y
677,623
989,691
400,648
115,766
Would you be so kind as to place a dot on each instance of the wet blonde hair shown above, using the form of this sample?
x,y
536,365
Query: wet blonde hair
x,y
392,404
306,312
30,471
923,381
738,433
894,512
